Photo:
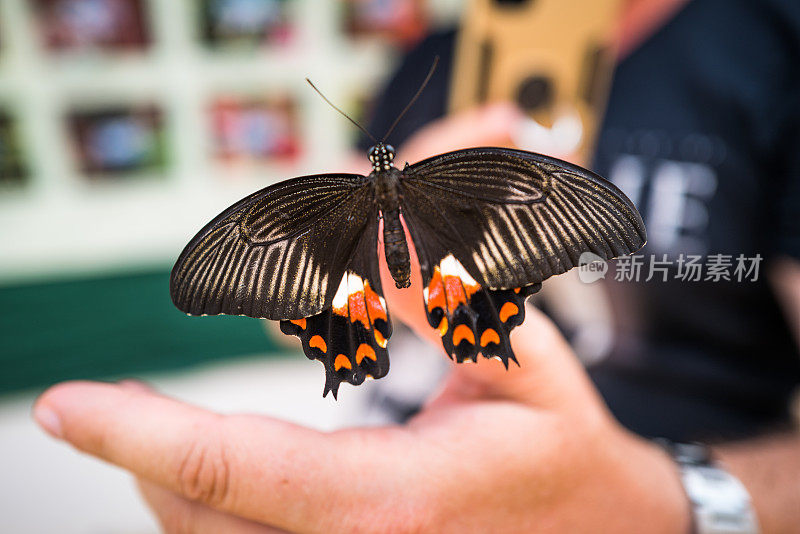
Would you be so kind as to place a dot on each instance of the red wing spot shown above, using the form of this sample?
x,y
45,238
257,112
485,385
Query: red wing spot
x,y
380,339
454,290
342,361
471,289
374,306
358,308
463,332
489,336
516,289
365,351
436,298
299,322
508,310
318,342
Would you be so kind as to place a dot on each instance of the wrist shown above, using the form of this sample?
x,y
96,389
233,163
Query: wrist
x,y
657,498
677,509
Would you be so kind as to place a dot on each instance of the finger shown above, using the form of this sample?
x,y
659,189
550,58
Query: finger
x,y
255,467
491,125
179,515
136,385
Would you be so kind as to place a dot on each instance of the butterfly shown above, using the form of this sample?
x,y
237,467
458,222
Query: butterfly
x,y
488,225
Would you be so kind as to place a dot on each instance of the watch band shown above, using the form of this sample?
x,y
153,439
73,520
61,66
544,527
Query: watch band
x,y
720,502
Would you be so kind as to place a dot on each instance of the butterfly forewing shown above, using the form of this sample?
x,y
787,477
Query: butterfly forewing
x,y
280,253
515,218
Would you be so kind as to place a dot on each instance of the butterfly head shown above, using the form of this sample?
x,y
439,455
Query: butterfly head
x,y
381,156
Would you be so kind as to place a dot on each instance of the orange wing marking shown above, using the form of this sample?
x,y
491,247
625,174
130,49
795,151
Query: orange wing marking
x,y
356,299
380,339
489,336
358,308
342,361
459,285
365,351
455,293
375,305
508,310
318,342
299,322
461,333
434,293
340,299
442,328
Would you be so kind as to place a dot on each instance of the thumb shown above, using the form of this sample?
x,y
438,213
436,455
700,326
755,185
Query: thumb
x,y
549,374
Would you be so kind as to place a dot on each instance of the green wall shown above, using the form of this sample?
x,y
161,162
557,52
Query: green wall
x,y
110,327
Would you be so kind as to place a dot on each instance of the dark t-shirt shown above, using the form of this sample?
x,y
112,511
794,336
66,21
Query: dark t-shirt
x,y
702,132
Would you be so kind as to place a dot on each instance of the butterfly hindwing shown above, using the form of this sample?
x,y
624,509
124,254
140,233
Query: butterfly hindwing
x,y
515,218
280,253
490,224
471,319
350,337
493,314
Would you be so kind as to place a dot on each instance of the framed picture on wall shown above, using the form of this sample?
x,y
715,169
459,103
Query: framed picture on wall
x,y
245,23
13,170
75,25
399,21
118,141
255,130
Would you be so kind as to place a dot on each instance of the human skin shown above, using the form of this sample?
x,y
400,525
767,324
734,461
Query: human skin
x,y
528,450
769,465
531,449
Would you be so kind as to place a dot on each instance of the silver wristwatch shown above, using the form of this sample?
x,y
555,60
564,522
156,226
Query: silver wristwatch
x,y
720,503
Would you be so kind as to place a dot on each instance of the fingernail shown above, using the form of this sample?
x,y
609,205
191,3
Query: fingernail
x,y
48,420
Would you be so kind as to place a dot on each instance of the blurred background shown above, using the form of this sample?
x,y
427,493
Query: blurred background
x,y
125,125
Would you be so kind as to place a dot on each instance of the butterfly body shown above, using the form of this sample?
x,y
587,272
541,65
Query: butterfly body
x,y
386,179
488,225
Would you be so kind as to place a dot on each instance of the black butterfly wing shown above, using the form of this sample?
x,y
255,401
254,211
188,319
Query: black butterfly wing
x,y
472,318
516,217
279,253
350,337
490,224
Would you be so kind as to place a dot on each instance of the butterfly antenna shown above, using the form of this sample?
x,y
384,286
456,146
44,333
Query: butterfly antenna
x,y
419,92
346,116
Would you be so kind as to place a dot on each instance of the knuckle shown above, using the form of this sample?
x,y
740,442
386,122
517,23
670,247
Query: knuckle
x,y
204,471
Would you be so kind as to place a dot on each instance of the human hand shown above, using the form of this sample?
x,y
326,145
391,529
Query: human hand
x,y
490,125
528,450
531,449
